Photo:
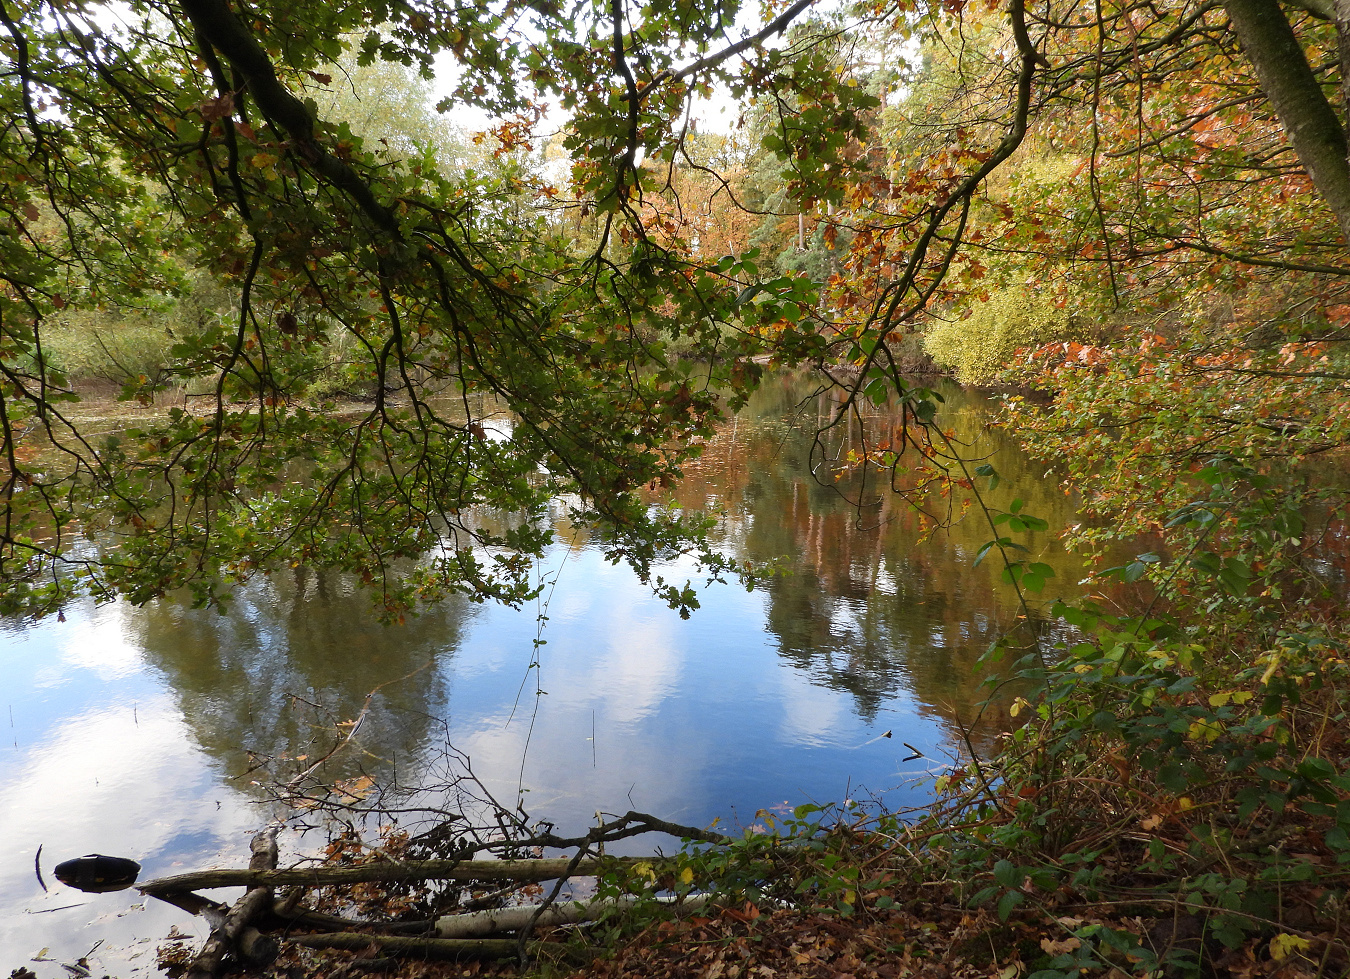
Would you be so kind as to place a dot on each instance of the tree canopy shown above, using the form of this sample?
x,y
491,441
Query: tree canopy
x,y
511,338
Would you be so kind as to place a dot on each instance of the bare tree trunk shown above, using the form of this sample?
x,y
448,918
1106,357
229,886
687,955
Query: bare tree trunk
x,y
1297,98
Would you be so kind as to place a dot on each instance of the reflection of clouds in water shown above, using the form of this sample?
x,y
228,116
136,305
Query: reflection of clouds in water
x,y
640,666
614,660
813,716
101,643
616,649
108,781
94,640
647,773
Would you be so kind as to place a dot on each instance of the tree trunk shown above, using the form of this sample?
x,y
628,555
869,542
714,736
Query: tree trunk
x,y
1341,15
1297,98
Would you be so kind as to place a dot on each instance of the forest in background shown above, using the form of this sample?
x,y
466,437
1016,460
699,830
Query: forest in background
x,y
1134,215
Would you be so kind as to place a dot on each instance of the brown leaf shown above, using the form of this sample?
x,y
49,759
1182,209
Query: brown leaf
x,y
217,108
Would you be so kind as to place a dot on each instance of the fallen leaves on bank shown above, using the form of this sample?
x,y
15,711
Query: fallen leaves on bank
x,y
932,942
925,939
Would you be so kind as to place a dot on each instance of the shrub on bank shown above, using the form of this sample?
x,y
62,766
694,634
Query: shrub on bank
x,y
979,346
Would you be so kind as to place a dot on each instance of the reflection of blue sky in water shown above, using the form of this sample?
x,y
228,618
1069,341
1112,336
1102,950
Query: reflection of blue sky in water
x,y
693,719
130,725
98,760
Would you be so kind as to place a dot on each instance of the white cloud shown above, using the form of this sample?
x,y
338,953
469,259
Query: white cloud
x,y
108,781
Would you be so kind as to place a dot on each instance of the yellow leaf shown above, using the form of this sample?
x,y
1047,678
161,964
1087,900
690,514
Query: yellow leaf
x,y
1205,731
1218,699
1185,803
263,160
686,876
1282,946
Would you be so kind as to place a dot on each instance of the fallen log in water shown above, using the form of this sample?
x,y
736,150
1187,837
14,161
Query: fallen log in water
x,y
234,933
522,871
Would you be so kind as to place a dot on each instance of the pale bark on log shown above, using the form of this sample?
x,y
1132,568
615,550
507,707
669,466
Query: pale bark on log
x,y
230,933
482,923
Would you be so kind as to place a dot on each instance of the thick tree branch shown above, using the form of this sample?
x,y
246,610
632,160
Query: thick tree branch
x,y
217,23
1321,9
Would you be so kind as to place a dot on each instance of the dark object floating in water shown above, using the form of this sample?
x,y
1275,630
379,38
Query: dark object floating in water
x,y
97,874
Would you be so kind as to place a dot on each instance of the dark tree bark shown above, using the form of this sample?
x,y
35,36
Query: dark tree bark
x,y
1341,15
1302,107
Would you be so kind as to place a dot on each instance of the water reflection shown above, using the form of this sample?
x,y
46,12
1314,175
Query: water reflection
x,y
294,658
143,727
874,606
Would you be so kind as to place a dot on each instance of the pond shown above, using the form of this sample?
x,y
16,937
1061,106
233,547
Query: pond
x,y
137,731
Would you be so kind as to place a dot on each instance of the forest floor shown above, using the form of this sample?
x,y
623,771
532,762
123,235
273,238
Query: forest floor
x,y
927,934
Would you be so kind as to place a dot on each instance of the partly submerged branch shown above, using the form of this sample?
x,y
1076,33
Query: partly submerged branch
x,y
521,871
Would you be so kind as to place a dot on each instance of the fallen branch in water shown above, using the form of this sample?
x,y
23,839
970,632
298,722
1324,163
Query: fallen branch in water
x,y
525,871
522,871
456,936
234,934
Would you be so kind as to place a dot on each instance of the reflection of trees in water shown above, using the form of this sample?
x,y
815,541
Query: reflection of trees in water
x,y
874,607
246,679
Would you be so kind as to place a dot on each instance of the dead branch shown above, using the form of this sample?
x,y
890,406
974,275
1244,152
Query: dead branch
x,y
523,871
481,923
628,825
234,933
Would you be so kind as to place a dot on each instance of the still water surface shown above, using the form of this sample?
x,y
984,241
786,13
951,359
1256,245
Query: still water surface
x,y
134,731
